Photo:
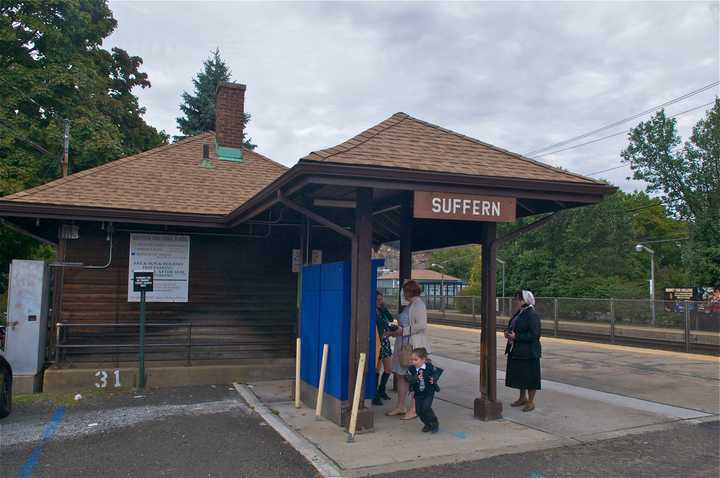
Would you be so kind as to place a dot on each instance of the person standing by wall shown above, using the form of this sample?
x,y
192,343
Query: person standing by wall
x,y
523,351
384,323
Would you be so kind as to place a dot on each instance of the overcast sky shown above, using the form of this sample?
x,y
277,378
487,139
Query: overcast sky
x,y
517,75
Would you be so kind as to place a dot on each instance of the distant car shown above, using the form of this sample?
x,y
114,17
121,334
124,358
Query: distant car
x,y
6,378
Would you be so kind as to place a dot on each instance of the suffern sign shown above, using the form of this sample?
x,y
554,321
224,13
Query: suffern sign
x,y
439,205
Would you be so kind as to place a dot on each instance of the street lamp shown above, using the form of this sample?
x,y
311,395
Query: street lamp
x,y
502,263
640,248
442,284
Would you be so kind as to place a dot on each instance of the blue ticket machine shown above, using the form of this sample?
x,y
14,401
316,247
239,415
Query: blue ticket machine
x,y
325,319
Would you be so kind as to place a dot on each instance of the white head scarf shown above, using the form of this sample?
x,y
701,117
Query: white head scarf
x,y
528,297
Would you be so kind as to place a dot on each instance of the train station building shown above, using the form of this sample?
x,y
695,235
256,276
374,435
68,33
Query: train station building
x,y
229,234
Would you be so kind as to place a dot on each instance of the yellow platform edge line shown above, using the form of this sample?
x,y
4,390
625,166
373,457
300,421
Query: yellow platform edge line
x,y
596,345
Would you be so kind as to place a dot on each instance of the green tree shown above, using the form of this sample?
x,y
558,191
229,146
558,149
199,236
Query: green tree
x,y
586,252
455,261
688,178
53,67
199,108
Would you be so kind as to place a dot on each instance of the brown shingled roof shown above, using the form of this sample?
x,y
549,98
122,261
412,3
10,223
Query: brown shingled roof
x,y
402,141
165,179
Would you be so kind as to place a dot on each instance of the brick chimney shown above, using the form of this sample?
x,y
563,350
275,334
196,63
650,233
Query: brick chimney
x,y
229,115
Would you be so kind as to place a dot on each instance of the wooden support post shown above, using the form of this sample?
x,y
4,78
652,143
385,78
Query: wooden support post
x,y
321,384
304,226
356,398
487,406
297,372
405,265
361,294
58,280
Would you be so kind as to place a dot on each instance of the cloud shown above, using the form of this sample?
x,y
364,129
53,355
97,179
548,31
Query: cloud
x,y
518,75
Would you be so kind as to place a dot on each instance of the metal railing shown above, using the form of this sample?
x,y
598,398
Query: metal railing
x,y
682,325
169,341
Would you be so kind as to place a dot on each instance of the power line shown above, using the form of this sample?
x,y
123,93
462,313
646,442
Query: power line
x,y
625,120
640,208
608,169
33,101
618,133
673,239
24,139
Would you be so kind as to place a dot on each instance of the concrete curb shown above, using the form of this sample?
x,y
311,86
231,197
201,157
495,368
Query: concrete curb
x,y
325,467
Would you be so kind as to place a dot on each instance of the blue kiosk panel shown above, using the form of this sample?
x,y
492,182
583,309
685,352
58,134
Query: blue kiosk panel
x,y
325,319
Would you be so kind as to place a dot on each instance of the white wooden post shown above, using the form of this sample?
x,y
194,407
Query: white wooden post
x,y
321,385
356,398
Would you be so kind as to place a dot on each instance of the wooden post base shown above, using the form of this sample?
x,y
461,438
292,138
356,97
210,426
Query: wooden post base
x,y
365,420
486,410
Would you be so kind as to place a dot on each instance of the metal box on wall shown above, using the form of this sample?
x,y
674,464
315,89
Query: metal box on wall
x,y
27,319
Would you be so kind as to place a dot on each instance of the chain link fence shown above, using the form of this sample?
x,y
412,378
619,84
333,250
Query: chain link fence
x,y
683,325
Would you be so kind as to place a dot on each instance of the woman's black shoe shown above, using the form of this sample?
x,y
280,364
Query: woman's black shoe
x,y
426,428
377,401
434,429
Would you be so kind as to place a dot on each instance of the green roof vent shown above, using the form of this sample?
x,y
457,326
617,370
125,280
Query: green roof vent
x,y
228,153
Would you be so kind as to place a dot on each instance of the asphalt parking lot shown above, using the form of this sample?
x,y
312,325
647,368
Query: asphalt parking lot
x,y
202,431
684,451
208,431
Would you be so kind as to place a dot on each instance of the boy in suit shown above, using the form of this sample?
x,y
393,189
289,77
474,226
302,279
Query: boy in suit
x,y
423,378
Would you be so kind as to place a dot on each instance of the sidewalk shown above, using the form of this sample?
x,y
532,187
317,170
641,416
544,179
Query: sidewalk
x,y
565,415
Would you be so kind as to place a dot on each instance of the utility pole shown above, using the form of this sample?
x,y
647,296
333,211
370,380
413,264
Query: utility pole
x,y
640,248
66,147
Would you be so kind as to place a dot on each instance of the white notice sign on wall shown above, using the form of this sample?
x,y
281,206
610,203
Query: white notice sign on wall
x,y
168,256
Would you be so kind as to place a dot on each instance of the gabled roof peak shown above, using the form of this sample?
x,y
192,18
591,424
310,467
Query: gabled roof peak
x,y
403,141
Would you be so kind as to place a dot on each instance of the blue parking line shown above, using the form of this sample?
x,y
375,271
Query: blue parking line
x,y
34,457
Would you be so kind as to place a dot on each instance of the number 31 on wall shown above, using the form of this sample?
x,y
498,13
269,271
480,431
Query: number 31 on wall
x,y
102,376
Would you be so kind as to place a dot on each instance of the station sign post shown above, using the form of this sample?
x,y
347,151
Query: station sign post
x,y
143,283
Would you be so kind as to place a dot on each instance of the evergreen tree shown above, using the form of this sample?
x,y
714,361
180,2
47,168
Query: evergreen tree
x,y
199,109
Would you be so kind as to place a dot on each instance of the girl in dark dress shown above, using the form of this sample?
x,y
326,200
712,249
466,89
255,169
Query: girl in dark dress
x,y
384,323
523,351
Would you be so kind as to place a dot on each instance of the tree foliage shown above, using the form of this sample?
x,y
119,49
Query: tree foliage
x,y
589,251
199,108
53,67
687,179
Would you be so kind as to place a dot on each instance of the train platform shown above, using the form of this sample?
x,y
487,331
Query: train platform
x,y
591,392
644,335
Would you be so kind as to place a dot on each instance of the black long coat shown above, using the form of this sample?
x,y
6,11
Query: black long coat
x,y
527,336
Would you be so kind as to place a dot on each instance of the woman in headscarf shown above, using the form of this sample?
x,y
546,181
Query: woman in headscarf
x,y
523,351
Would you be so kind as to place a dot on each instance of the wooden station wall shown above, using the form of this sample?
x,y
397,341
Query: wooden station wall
x,y
241,298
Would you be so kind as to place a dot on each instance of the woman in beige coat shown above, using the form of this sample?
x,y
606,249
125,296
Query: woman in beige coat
x,y
412,330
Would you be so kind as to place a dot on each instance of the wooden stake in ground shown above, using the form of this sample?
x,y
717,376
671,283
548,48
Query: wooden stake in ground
x,y
356,398
297,373
321,385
